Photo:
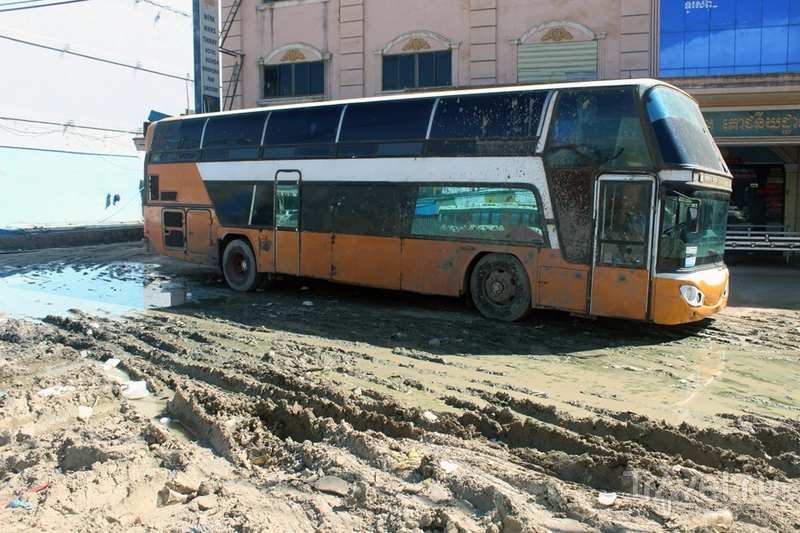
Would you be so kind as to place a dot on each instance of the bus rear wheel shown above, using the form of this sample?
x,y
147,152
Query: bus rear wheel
x,y
500,288
239,267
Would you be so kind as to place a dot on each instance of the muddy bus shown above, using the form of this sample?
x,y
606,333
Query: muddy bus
x,y
602,198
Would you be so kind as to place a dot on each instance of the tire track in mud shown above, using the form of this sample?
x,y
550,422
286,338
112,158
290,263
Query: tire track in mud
x,y
769,451
268,397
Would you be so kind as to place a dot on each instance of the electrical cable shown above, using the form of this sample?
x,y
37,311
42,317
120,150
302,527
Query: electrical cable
x,y
67,151
67,125
41,5
66,50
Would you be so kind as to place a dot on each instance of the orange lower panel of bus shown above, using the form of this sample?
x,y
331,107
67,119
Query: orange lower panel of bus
x,y
669,307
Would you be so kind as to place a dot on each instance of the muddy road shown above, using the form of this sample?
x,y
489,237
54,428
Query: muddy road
x,y
317,407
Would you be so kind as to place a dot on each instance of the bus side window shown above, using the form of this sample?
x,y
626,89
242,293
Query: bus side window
x,y
177,140
491,125
263,208
233,137
385,128
232,201
479,213
152,187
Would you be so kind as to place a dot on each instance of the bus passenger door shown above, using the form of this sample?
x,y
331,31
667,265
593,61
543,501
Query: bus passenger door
x,y
622,258
287,221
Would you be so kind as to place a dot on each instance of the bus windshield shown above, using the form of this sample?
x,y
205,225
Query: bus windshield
x,y
680,131
692,229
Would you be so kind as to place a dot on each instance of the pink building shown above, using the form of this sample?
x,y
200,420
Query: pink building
x,y
739,58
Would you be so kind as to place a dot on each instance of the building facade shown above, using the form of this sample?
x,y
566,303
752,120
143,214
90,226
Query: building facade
x,y
739,58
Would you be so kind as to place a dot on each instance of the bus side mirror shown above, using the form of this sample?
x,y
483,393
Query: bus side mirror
x,y
692,221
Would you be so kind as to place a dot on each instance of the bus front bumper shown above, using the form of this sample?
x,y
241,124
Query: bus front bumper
x,y
681,298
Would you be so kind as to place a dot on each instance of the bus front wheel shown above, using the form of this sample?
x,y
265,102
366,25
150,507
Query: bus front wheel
x,y
239,267
500,288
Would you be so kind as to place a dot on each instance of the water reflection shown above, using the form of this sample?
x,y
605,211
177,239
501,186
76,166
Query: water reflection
x,y
110,290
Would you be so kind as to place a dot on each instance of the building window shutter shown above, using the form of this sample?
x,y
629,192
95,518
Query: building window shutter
x,y
570,61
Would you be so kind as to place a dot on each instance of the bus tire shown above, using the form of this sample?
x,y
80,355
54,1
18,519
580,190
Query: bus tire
x,y
239,267
500,288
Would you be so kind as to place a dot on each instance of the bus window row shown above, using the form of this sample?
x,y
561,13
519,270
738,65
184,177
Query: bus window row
x,y
502,214
496,124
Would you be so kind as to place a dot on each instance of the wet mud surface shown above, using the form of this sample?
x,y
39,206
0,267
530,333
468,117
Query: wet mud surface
x,y
311,406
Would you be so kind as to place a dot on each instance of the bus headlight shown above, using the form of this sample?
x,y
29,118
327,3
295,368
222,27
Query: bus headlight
x,y
725,292
692,295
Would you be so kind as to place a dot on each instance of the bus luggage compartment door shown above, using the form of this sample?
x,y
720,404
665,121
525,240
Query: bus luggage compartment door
x,y
622,256
198,231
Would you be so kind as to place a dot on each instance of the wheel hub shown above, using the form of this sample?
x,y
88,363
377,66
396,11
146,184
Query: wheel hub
x,y
500,287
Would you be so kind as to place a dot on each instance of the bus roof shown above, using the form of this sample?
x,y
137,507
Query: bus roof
x,y
643,83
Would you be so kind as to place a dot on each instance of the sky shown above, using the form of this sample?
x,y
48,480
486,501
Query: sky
x,y
78,81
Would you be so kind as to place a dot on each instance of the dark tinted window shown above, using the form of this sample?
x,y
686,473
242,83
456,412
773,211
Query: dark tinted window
x,y
497,116
233,137
231,201
263,208
152,188
385,128
294,79
316,212
373,210
387,121
176,140
424,69
303,126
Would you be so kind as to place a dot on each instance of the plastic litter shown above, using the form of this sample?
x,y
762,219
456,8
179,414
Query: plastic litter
x,y
607,499
719,520
430,416
110,363
134,390
448,467
17,503
170,497
84,412
56,391
41,487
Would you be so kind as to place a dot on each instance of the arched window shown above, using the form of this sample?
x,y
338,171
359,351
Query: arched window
x,y
293,71
417,60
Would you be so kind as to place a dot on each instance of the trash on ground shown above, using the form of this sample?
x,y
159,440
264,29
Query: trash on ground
x,y
58,390
607,499
448,467
17,503
134,390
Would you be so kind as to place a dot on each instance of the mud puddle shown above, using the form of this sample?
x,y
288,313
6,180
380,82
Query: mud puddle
x,y
109,291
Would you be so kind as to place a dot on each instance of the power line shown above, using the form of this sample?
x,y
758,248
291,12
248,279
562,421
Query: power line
x,y
5,4
39,5
75,152
66,50
67,125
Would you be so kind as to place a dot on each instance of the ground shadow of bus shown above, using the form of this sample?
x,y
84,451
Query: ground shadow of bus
x,y
431,324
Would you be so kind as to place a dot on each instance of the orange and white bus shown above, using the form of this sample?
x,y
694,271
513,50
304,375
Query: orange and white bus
x,y
603,198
